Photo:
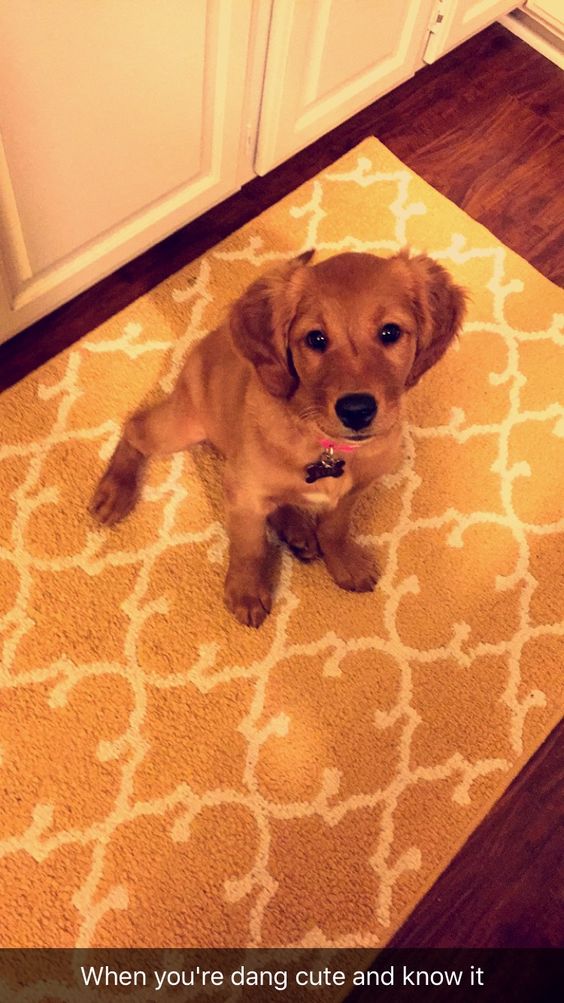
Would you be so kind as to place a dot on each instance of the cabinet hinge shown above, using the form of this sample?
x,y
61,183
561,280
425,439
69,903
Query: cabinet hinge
x,y
436,28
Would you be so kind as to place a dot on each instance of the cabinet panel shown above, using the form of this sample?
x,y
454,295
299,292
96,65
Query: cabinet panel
x,y
120,120
329,58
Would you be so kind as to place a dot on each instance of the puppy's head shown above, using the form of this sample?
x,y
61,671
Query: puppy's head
x,y
343,339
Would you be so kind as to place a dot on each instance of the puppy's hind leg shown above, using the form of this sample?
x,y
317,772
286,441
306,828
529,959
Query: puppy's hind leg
x,y
165,428
297,529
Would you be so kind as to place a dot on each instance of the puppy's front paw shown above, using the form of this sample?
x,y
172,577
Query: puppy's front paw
x,y
297,530
352,567
249,601
114,498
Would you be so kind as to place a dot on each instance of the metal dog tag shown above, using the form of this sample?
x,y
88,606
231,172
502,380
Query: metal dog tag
x,y
326,466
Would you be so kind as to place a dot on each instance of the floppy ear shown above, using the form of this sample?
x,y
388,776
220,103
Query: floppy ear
x,y
260,321
439,306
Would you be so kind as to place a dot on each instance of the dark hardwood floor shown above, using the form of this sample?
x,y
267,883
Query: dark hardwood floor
x,y
485,126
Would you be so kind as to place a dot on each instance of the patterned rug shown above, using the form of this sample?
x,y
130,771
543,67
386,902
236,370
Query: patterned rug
x,y
169,777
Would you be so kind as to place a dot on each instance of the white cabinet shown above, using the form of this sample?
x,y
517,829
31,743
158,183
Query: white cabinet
x,y
329,58
120,121
456,20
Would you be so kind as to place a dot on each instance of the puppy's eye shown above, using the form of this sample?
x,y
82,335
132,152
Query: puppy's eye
x,y
316,340
389,334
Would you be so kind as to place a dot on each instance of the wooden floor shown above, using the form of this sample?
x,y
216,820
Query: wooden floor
x,y
485,126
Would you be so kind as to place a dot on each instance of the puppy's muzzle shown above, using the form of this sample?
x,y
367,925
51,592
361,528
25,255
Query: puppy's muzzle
x,y
356,411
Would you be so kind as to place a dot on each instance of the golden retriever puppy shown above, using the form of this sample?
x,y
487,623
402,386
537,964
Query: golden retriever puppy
x,y
300,390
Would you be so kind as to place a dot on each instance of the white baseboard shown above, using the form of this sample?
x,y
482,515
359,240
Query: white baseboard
x,y
538,36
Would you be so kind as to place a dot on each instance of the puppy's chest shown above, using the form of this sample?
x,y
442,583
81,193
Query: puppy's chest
x,y
323,493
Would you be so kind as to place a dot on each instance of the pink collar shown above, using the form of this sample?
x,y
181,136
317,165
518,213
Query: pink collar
x,y
343,447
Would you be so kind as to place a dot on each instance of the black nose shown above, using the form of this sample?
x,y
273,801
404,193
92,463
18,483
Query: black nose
x,y
356,410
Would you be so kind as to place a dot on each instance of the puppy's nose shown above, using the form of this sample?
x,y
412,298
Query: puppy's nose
x,y
356,410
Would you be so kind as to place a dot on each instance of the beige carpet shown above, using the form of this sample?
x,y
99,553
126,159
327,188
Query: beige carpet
x,y
168,777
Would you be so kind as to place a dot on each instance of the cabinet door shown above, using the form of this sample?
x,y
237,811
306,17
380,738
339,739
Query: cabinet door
x,y
329,58
120,120
457,20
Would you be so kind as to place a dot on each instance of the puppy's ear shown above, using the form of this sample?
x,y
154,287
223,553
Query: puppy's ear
x,y
260,321
439,306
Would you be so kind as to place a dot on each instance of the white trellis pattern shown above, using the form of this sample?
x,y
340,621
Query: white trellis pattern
x,y
170,777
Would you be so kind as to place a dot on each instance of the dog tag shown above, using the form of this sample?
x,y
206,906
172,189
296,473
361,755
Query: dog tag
x,y
326,466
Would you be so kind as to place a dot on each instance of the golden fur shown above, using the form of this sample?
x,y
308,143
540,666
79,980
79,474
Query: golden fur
x,y
266,398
